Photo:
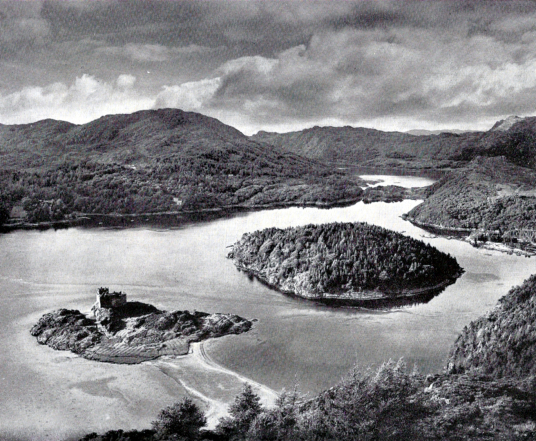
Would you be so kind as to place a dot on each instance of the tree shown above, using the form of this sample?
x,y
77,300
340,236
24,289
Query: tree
x,y
243,411
180,421
4,210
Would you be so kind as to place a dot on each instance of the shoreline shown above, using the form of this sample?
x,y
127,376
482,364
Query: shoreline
x,y
370,299
463,234
182,216
199,360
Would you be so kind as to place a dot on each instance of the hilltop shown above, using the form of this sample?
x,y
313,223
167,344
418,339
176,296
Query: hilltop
x,y
153,161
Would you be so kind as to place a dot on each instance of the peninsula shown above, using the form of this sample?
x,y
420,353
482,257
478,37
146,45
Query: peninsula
x,y
491,201
131,332
345,263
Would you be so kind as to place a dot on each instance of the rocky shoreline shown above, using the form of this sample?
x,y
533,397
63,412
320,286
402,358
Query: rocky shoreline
x,y
132,333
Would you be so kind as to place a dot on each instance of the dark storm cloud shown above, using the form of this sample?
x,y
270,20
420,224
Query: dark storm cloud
x,y
275,64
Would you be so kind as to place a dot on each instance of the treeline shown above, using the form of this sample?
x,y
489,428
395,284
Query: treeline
x,y
500,214
172,183
502,343
343,257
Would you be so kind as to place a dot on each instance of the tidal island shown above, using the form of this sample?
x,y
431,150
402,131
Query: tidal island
x,y
131,332
345,264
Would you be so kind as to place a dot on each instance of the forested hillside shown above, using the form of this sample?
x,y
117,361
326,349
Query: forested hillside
x,y
152,161
347,260
502,343
489,194
359,146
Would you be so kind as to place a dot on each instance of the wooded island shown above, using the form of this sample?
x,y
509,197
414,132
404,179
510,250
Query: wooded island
x,y
353,262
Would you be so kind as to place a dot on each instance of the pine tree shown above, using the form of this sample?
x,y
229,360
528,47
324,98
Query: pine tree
x,y
243,411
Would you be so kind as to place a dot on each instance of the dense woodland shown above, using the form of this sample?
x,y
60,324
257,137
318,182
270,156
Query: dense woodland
x,y
489,194
502,343
342,257
173,183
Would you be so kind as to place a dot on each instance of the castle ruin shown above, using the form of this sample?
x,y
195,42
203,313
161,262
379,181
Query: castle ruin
x,y
107,299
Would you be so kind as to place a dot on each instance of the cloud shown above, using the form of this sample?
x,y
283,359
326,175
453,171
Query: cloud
x,y
192,96
125,81
86,99
21,23
260,64
153,52
361,75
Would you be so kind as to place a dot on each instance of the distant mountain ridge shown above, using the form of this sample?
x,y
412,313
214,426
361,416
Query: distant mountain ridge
x,y
422,132
513,138
505,124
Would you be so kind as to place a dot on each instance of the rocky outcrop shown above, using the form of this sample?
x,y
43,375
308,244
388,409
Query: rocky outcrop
x,y
67,329
132,333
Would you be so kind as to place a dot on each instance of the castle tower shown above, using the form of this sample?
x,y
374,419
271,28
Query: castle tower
x,y
107,299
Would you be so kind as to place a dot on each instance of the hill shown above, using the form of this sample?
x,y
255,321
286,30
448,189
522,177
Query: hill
x,y
369,147
502,343
489,194
153,161
353,263
513,138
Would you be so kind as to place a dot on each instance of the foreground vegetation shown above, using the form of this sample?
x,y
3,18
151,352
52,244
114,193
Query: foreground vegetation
x,y
488,392
343,260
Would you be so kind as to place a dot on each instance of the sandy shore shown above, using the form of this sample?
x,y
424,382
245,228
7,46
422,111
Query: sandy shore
x,y
56,395
206,381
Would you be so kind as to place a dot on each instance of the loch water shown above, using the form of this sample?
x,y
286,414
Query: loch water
x,y
47,394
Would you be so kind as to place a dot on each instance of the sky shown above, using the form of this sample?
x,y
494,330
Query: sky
x,y
271,65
